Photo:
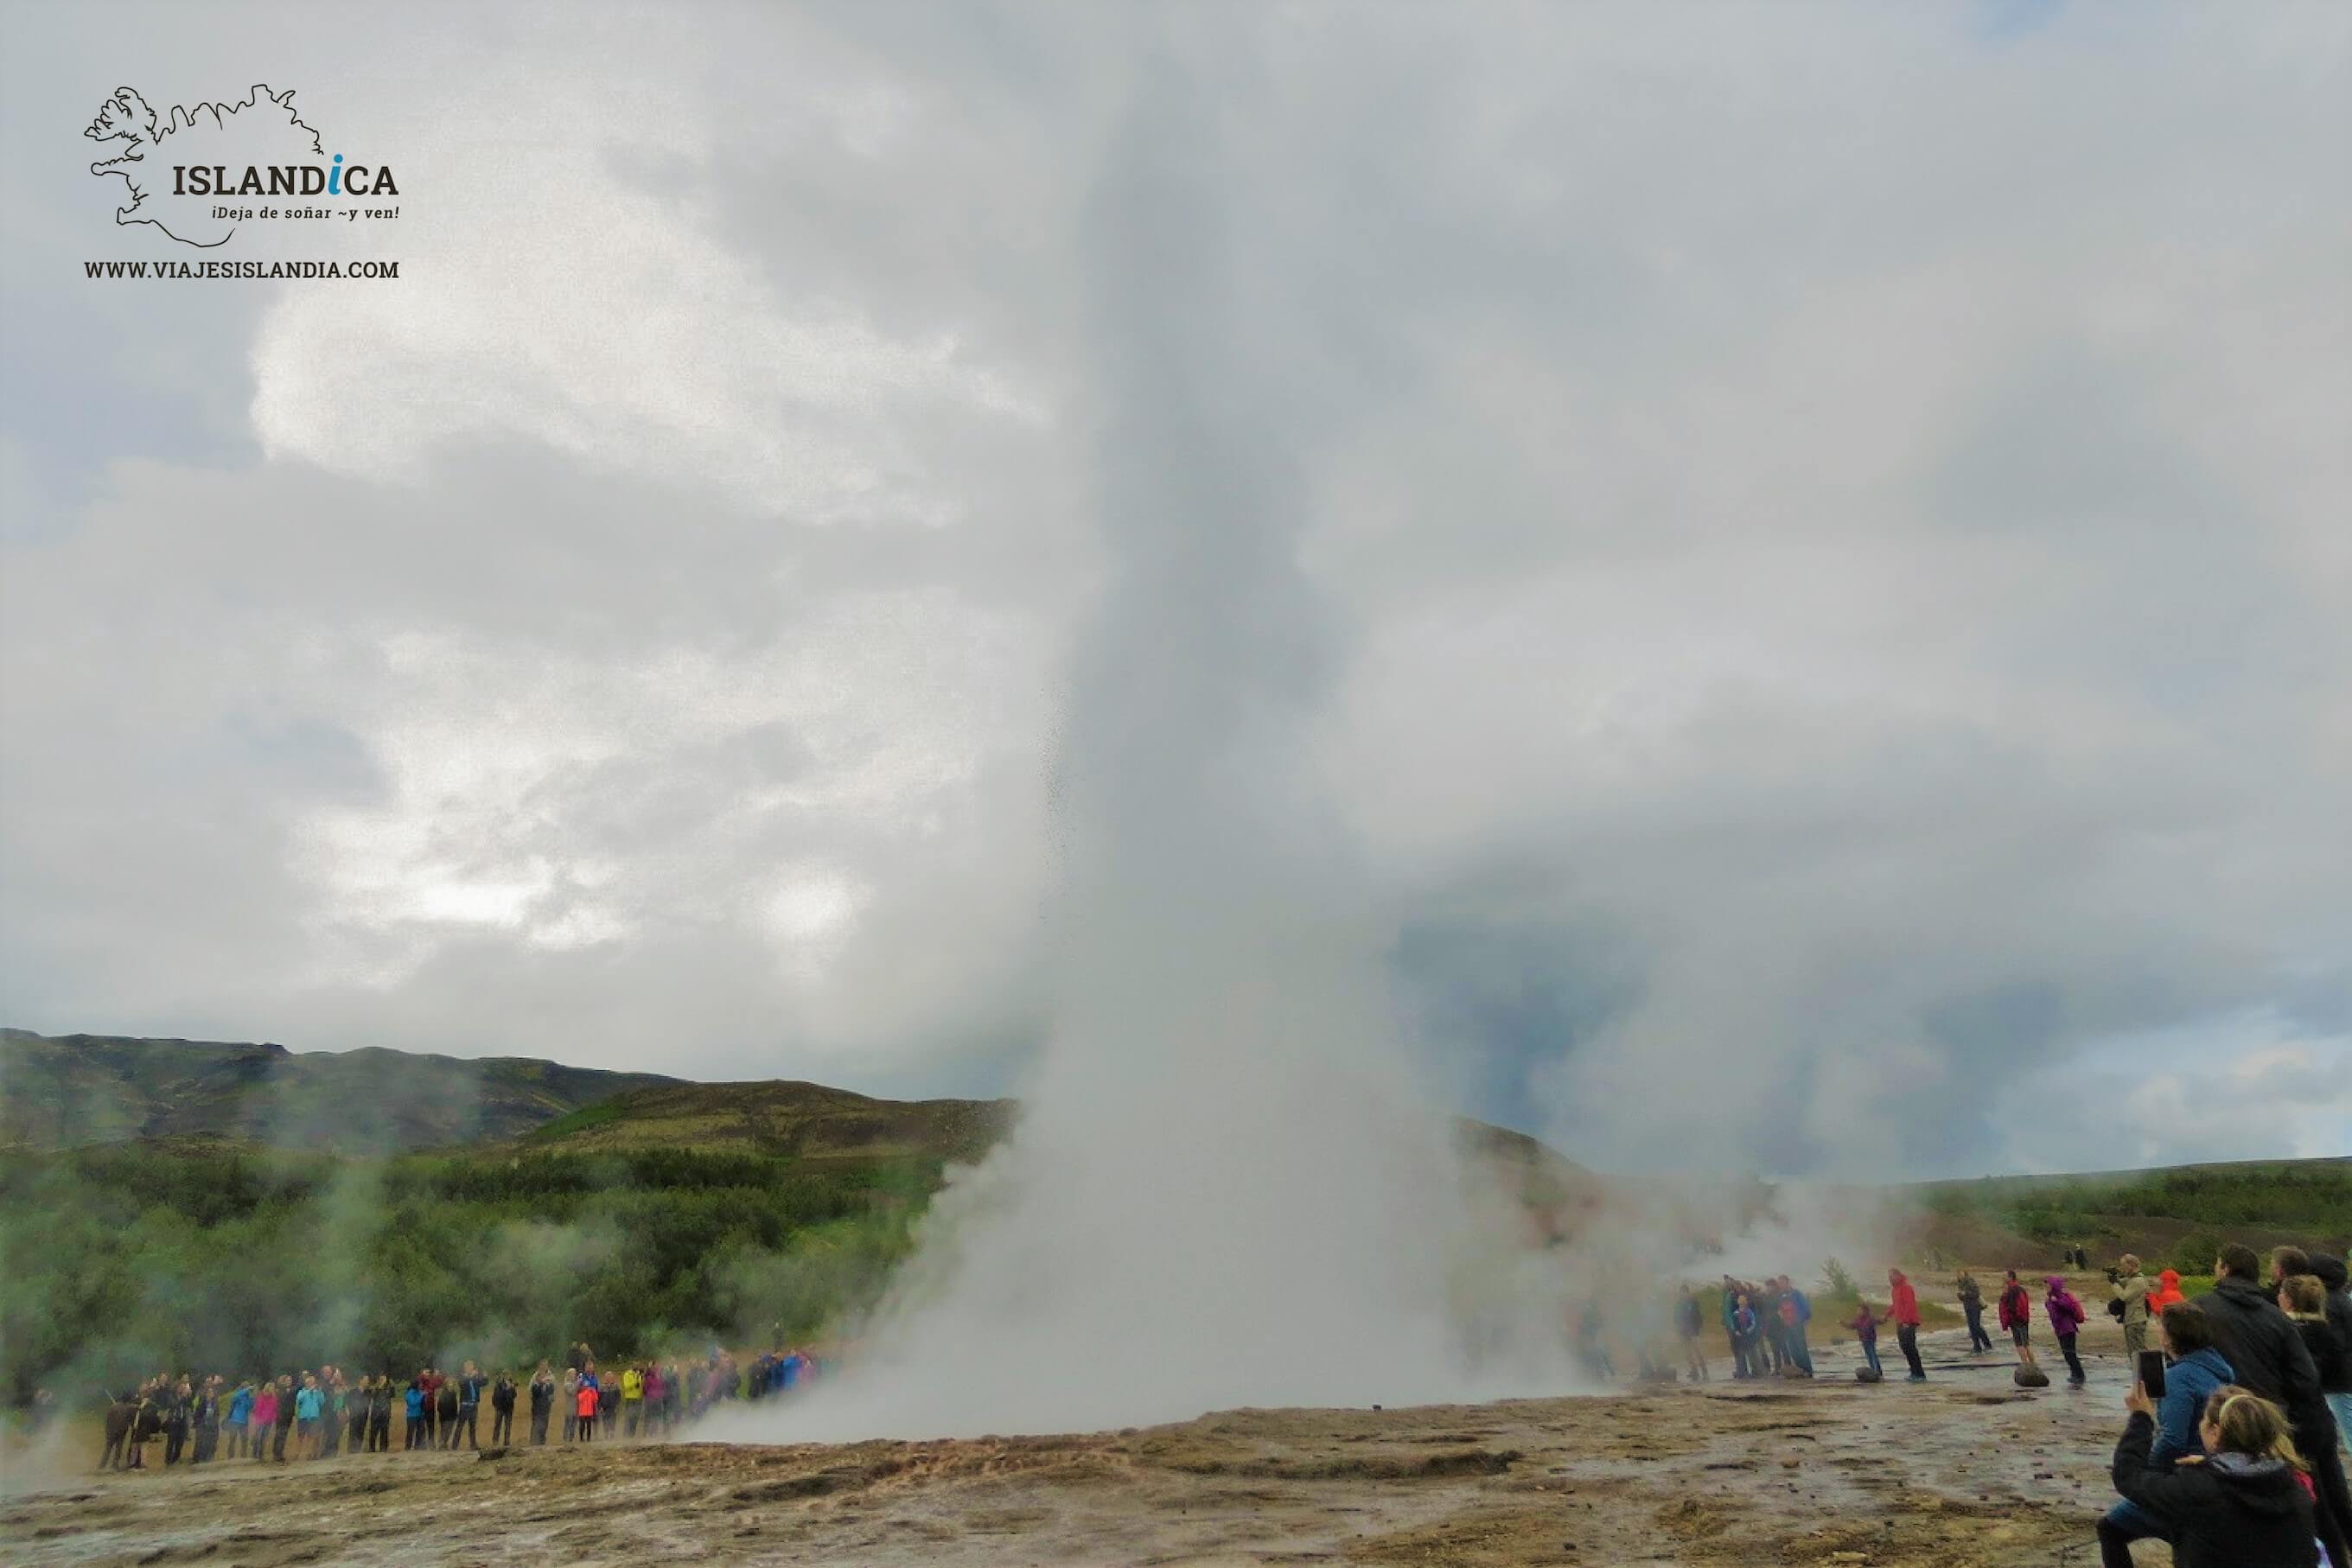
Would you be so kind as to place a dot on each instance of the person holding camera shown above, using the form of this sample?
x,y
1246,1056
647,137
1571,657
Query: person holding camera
x,y
2132,1290
2193,1370
2264,1346
2246,1502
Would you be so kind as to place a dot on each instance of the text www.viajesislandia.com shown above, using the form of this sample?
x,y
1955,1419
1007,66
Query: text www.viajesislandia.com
x,y
193,271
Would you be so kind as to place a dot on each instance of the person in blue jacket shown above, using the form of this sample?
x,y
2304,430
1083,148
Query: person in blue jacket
x,y
412,1412
310,1409
1796,1312
2193,1370
240,1412
1746,1327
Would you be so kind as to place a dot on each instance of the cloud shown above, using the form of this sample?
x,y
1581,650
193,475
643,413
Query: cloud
x,y
1822,546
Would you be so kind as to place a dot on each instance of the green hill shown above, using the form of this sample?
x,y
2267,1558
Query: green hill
x,y
806,1121
193,1204
2175,1215
73,1091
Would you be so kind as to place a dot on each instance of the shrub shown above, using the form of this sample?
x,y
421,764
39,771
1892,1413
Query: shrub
x,y
2196,1252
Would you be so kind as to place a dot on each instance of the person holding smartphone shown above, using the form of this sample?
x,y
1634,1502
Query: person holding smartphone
x,y
2246,1502
2176,1378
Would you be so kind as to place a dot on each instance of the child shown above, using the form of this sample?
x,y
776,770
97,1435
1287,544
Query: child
x,y
1865,1330
586,1404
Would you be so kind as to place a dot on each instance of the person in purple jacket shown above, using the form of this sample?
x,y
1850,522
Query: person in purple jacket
x,y
2065,1321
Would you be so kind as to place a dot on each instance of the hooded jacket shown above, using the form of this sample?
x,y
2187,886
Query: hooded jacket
x,y
1904,1309
2232,1511
2188,1384
2319,1339
2261,1342
2134,1294
2336,1379
2267,1353
2167,1291
2065,1311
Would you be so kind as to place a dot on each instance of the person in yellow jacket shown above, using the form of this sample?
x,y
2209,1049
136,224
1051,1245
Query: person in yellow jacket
x,y
633,1399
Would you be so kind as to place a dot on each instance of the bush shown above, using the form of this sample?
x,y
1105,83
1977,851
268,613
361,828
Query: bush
x,y
2196,1252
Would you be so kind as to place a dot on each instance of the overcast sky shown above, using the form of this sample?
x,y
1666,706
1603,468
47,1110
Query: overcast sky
x,y
1828,528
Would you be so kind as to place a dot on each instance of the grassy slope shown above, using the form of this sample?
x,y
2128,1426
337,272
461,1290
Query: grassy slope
x,y
84,1090
79,1089
806,1122
2171,1217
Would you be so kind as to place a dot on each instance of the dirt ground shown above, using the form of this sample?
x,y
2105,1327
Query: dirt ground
x,y
1964,1471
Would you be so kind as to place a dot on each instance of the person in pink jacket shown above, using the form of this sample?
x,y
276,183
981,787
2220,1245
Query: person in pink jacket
x,y
265,1416
2065,1321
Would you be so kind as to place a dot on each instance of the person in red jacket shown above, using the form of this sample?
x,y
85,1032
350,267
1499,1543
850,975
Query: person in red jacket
x,y
2017,1317
1905,1313
585,1402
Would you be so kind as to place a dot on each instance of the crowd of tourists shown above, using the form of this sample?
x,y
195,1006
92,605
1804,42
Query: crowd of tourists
x,y
2234,1456
2238,1461
316,1415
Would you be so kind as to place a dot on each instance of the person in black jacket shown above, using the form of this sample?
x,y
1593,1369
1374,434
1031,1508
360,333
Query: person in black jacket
x,y
286,1390
2242,1506
470,1383
542,1402
359,1402
178,1405
2304,1300
206,1416
502,1404
2338,1390
445,1410
379,1403
2262,1347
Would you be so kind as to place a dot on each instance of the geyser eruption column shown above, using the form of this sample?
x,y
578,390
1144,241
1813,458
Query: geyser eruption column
x,y
1225,1189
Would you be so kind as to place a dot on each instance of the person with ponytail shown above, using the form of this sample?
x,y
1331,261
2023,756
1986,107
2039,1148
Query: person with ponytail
x,y
2245,1503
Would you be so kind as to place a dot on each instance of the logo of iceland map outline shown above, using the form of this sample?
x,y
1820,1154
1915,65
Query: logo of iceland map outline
x,y
180,168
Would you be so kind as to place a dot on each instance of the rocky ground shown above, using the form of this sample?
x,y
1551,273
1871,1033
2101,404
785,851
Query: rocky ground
x,y
1965,1472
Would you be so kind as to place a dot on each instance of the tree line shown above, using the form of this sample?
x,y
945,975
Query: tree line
x,y
124,1258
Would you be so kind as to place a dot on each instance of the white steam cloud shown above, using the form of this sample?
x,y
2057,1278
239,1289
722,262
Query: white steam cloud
x,y
1228,1187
